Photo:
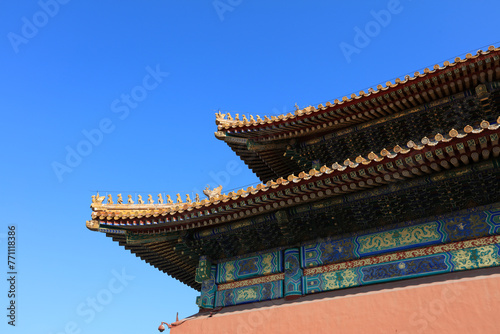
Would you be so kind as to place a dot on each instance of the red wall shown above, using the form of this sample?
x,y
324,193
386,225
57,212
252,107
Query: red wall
x,y
464,305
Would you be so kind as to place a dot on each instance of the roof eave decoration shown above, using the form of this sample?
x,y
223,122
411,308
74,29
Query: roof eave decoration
x,y
92,225
429,155
229,124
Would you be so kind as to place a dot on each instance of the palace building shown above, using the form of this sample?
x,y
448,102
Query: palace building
x,y
378,213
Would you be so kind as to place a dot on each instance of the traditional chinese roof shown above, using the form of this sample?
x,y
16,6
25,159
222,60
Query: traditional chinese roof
x,y
172,236
423,146
262,143
432,154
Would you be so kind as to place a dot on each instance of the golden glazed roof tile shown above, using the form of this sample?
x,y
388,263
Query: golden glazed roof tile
x,y
227,122
111,211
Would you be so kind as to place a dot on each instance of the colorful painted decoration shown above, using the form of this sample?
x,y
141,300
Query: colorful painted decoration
x,y
456,228
456,260
250,294
258,265
203,270
293,273
208,290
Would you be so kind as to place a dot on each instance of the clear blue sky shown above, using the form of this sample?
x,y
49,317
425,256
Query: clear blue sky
x,y
71,67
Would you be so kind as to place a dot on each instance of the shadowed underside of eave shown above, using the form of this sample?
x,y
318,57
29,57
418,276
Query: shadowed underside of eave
x,y
267,165
162,256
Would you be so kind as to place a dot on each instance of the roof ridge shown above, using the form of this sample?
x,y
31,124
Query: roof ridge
x,y
144,209
225,121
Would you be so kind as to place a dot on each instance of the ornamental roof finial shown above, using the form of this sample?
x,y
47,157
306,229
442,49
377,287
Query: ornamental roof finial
x,y
179,199
214,193
139,200
96,199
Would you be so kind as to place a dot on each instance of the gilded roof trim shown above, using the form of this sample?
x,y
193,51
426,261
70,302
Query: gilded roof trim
x,y
227,123
225,205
